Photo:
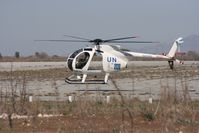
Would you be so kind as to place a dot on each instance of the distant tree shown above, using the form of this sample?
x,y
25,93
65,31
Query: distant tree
x,y
55,56
17,54
1,56
43,55
37,54
193,55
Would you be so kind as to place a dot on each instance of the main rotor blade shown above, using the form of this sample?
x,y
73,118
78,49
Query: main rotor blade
x,y
132,42
61,40
76,37
109,40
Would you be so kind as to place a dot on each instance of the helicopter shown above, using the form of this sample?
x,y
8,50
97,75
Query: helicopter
x,y
113,58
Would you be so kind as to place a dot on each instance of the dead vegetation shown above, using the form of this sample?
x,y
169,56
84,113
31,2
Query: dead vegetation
x,y
172,112
98,116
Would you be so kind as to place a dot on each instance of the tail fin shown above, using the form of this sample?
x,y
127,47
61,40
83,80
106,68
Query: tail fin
x,y
174,47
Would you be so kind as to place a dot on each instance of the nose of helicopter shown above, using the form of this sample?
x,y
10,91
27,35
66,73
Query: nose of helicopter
x,y
66,65
69,64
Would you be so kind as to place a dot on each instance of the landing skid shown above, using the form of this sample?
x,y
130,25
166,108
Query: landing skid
x,y
82,80
171,64
70,81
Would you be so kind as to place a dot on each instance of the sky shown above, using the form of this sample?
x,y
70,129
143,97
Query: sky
x,y
23,21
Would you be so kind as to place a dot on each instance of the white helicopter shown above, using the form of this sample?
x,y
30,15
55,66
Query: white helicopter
x,y
113,58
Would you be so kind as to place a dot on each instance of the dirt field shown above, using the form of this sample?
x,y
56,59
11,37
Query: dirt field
x,y
173,107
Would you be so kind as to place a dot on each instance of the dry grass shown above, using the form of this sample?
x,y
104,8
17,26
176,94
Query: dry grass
x,y
98,116
171,113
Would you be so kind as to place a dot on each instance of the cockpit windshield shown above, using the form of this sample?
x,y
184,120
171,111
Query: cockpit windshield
x,y
82,60
80,57
71,57
75,53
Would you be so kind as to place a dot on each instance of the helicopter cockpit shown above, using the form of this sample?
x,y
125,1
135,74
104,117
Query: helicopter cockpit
x,y
80,57
81,60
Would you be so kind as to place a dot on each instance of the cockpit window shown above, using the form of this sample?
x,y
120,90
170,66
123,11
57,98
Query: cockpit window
x,y
69,62
82,60
76,53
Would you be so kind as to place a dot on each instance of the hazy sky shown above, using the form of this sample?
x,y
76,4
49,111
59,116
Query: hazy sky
x,y
23,21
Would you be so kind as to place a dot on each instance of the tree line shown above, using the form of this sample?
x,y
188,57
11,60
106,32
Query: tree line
x,y
43,56
37,56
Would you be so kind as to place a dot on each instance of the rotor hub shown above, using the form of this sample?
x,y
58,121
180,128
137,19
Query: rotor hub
x,y
97,41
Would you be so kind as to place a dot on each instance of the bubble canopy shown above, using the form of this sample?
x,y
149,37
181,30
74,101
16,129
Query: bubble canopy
x,y
80,57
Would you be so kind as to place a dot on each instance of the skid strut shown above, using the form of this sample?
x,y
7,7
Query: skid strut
x,y
171,64
83,80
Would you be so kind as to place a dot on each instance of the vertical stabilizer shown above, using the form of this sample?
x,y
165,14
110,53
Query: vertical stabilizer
x,y
174,47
